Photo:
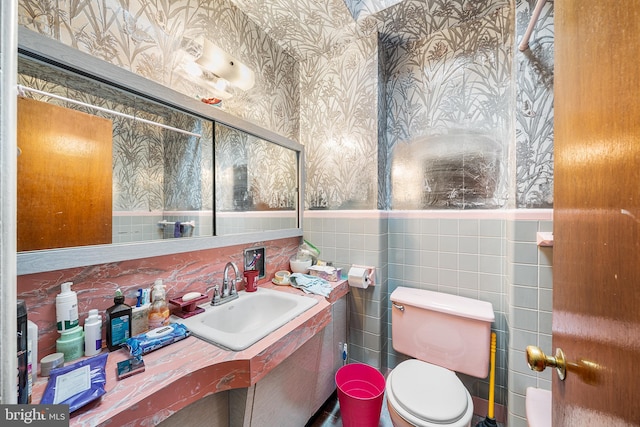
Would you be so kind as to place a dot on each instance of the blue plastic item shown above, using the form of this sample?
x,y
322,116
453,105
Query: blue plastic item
x,y
87,378
157,338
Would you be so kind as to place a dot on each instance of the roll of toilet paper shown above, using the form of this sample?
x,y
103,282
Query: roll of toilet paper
x,y
358,277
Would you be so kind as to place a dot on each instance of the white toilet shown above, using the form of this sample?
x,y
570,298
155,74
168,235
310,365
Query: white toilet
x,y
445,334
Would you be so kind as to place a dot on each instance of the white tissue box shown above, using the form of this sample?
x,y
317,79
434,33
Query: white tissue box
x,y
331,274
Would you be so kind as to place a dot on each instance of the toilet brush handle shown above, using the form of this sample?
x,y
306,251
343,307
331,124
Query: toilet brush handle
x,y
492,375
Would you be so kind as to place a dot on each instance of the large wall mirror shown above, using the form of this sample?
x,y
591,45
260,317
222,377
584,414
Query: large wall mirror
x,y
256,183
170,169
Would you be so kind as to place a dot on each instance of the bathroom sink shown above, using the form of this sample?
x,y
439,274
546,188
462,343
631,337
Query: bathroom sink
x,y
240,323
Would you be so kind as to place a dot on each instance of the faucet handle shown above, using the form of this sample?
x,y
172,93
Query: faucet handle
x,y
216,295
225,288
233,290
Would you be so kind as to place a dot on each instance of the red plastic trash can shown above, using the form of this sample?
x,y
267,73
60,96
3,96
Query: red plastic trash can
x,y
360,394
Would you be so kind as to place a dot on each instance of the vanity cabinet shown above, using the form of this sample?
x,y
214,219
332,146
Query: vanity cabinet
x,y
291,393
330,356
212,410
288,395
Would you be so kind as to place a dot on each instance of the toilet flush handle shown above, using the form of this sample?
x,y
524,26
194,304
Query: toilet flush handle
x,y
537,361
398,306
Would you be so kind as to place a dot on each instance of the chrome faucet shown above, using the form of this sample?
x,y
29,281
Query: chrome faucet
x,y
229,291
226,288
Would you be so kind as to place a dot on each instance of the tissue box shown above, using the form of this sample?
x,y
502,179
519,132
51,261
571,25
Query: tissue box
x,y
331,274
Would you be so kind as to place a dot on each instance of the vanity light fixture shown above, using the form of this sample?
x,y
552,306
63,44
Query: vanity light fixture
x,y
225,68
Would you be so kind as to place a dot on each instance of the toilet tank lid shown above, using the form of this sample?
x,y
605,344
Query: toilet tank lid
x,y
445,303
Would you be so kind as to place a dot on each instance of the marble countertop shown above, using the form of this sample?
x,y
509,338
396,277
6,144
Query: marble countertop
x,y
184,372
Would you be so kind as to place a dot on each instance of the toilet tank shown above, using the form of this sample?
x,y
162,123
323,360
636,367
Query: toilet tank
x,y
445,330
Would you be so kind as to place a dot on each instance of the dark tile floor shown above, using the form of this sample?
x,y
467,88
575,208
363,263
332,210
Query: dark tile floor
x,y
329,415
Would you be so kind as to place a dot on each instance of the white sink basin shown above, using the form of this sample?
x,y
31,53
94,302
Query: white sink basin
x,y
240,323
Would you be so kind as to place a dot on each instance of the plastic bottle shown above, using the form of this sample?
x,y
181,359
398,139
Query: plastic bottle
x,y
32,354
71,343
159,311
66,308
118,322
22,354
93,333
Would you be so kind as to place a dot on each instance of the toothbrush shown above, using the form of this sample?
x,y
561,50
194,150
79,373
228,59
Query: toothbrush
x,y
344,354
255,259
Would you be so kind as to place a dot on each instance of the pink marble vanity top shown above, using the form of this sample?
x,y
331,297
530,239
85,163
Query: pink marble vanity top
x,y
191,369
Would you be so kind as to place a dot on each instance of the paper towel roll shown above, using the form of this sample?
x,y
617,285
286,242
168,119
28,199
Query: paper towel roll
x,y
358,277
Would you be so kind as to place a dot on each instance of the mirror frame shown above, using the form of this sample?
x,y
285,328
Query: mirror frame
x,y
44,49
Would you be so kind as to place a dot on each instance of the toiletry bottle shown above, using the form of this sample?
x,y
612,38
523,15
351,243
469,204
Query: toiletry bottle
x,y
71,344
22,347
32,354
66,308
29,370
159,311
118,322
93,333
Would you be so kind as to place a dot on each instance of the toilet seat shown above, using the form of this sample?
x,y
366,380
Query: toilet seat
x,y
425,394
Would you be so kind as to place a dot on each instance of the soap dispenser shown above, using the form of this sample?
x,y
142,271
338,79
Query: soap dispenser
x,y
159,311
118,322
66,308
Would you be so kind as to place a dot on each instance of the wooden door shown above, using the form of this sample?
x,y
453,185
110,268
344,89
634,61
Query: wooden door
x,y
64,177
596,306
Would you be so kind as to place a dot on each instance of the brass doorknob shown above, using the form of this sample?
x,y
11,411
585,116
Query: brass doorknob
x,y
537,361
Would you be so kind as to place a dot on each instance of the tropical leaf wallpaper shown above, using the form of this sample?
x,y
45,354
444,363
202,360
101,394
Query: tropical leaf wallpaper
x,y
339,129
419,19
307,28
412,104
445,67
534,109
448,111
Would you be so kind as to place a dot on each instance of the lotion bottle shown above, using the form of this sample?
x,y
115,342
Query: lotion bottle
x,y
93,333
66,308
71,344
159,311
118,322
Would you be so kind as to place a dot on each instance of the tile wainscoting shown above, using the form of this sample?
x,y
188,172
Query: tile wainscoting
x,y
487,255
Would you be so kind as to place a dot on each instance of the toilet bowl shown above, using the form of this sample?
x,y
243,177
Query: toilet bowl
x,y
424,395
538,407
